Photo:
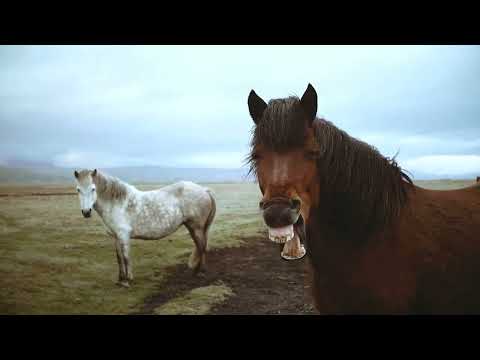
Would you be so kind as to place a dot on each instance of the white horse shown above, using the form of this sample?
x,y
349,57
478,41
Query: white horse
x,y
129,213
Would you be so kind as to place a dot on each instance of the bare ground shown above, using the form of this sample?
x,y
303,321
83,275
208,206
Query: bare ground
x,y
262,282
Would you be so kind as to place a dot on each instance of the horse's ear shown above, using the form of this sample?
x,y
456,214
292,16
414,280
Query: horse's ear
x,y
76,174
256,106
309,102
94,172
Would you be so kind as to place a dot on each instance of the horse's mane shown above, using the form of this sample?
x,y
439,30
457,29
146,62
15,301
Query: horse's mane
x,y
360,190
366,189
109,187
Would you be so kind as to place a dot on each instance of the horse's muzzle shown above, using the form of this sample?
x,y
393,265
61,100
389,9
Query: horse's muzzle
x,y
280,212
285,226
87,213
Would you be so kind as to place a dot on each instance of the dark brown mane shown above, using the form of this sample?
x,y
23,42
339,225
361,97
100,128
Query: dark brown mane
x,y
361,191
365,189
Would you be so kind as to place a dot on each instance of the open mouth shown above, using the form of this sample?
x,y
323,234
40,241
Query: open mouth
x,y
292,236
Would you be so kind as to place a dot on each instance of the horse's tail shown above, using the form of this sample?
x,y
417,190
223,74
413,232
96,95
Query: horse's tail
x,y
213,212
198,259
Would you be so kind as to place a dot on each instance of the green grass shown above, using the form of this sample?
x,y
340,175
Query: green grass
x,y
53,261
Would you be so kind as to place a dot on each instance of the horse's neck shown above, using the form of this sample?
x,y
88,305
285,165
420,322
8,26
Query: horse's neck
x,y
99,208
104,207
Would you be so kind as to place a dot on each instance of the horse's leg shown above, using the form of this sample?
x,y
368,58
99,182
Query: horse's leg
x,y
121,268
126,257
125,272
197,259
122,274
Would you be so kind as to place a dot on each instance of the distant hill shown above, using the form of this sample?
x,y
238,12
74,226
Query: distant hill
x,y
25,173
147,174
426,176
30,176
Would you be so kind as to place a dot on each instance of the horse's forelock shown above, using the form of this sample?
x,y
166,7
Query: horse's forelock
x,y
83,175
279,126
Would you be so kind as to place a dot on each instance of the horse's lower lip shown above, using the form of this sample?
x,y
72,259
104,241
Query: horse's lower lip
x,y
293,249
299,254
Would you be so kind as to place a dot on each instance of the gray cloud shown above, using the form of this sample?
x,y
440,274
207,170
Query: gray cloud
x,y
186,105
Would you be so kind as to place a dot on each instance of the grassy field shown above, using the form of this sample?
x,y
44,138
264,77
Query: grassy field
x,y
53,261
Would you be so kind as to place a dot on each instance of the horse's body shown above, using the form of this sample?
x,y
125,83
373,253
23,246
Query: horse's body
x,y
129,213
375,242
152,215
426,261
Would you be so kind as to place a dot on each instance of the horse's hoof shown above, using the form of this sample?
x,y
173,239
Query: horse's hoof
x,y
123,283
200,270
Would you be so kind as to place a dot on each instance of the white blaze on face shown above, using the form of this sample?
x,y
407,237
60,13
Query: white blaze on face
x,y
280,171
87,195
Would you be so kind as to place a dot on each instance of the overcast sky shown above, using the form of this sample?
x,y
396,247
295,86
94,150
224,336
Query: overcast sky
x,y
186,106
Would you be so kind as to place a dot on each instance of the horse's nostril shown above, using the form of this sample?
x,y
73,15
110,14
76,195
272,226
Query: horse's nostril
x,y
296,203
87,213
260,204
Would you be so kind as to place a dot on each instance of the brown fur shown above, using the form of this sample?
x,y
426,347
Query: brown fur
x,y
375,242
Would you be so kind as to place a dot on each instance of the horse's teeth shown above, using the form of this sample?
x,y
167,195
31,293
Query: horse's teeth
x,y
280,239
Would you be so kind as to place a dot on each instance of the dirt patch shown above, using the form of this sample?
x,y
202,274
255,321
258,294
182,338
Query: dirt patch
x,y
261,281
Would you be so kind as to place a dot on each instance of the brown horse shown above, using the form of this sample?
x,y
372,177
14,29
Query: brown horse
x,y
375,242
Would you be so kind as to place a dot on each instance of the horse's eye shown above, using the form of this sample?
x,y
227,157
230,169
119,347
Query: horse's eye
x,y
78,190
93,189
255,156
